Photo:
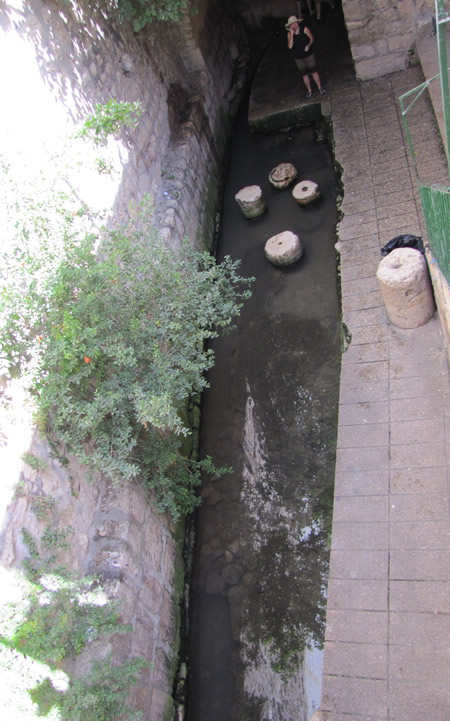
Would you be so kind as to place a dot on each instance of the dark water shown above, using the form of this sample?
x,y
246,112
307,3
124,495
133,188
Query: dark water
x,y
262,543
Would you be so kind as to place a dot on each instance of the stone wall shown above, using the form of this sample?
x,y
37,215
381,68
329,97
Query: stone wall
x,y
188,78
117,535
382,33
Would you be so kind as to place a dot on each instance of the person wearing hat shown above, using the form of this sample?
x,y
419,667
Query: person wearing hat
x,y
300,40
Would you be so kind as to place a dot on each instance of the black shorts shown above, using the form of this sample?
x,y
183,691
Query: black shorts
x,y
306,65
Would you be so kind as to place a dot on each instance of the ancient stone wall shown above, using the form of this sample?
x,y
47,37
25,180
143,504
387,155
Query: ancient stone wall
x,y
188,79
115,534
382,33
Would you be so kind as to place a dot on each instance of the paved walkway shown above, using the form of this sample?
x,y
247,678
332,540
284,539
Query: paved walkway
x,y
387,651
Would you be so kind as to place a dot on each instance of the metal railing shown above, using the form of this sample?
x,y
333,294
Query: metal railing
x,y
435,199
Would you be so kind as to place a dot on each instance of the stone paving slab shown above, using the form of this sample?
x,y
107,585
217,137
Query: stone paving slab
x,y
387,654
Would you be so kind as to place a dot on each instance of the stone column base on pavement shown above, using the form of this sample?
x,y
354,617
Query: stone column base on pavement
x,y
406,288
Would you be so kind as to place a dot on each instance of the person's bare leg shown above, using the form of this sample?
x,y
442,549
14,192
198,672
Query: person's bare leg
x,y
307,82
316,78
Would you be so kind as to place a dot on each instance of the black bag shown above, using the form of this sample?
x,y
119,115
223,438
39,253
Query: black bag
x,y
403,241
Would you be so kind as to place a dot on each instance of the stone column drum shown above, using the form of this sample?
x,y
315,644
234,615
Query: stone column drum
x,y
282,175
283,249
406,289
251,201
305,192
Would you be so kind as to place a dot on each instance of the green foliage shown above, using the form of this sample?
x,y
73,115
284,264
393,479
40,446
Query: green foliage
x,y
30,543
59,614
109,119
143,12
62,618
53,539
36,463
19,489
45,696
115,343
100,698
63,613
42,506
103,167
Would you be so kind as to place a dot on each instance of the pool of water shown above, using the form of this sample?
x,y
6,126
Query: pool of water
x,y
261,557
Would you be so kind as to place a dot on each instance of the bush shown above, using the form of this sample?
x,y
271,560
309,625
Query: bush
x,y
109,119
114,339
62,613
143,12
55,614
101,697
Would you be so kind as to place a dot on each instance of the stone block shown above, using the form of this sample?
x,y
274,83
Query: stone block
x,y
365,696
354,11
361,52
376,67
381,46
350,659
398,42
425,26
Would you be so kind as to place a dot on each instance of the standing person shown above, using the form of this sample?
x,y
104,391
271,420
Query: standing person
x,y
319,7
300,40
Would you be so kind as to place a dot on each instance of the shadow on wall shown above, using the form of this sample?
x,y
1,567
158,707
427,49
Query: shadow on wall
x,y
65,59
73,47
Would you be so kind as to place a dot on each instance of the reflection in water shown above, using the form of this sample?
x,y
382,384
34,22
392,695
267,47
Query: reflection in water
x,y
262,546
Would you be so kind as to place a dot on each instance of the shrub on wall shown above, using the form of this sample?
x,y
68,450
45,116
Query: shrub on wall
x,y
110,329
56,615
142,12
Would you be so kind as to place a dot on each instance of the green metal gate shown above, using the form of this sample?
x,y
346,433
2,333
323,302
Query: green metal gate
x,y
435,198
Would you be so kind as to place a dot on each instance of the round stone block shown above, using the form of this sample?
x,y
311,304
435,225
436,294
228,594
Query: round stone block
x,y
406,289
306,191
282,175
284,248
251,201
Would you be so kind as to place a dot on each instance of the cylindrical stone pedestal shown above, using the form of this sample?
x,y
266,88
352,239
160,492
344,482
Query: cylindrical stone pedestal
x,y
283,249
406,289
306,191
282,175
251,201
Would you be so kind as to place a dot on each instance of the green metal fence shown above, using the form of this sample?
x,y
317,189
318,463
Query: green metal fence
x,y
435,198
436,209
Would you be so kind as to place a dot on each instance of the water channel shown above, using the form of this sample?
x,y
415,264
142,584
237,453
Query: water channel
x,y
261,558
